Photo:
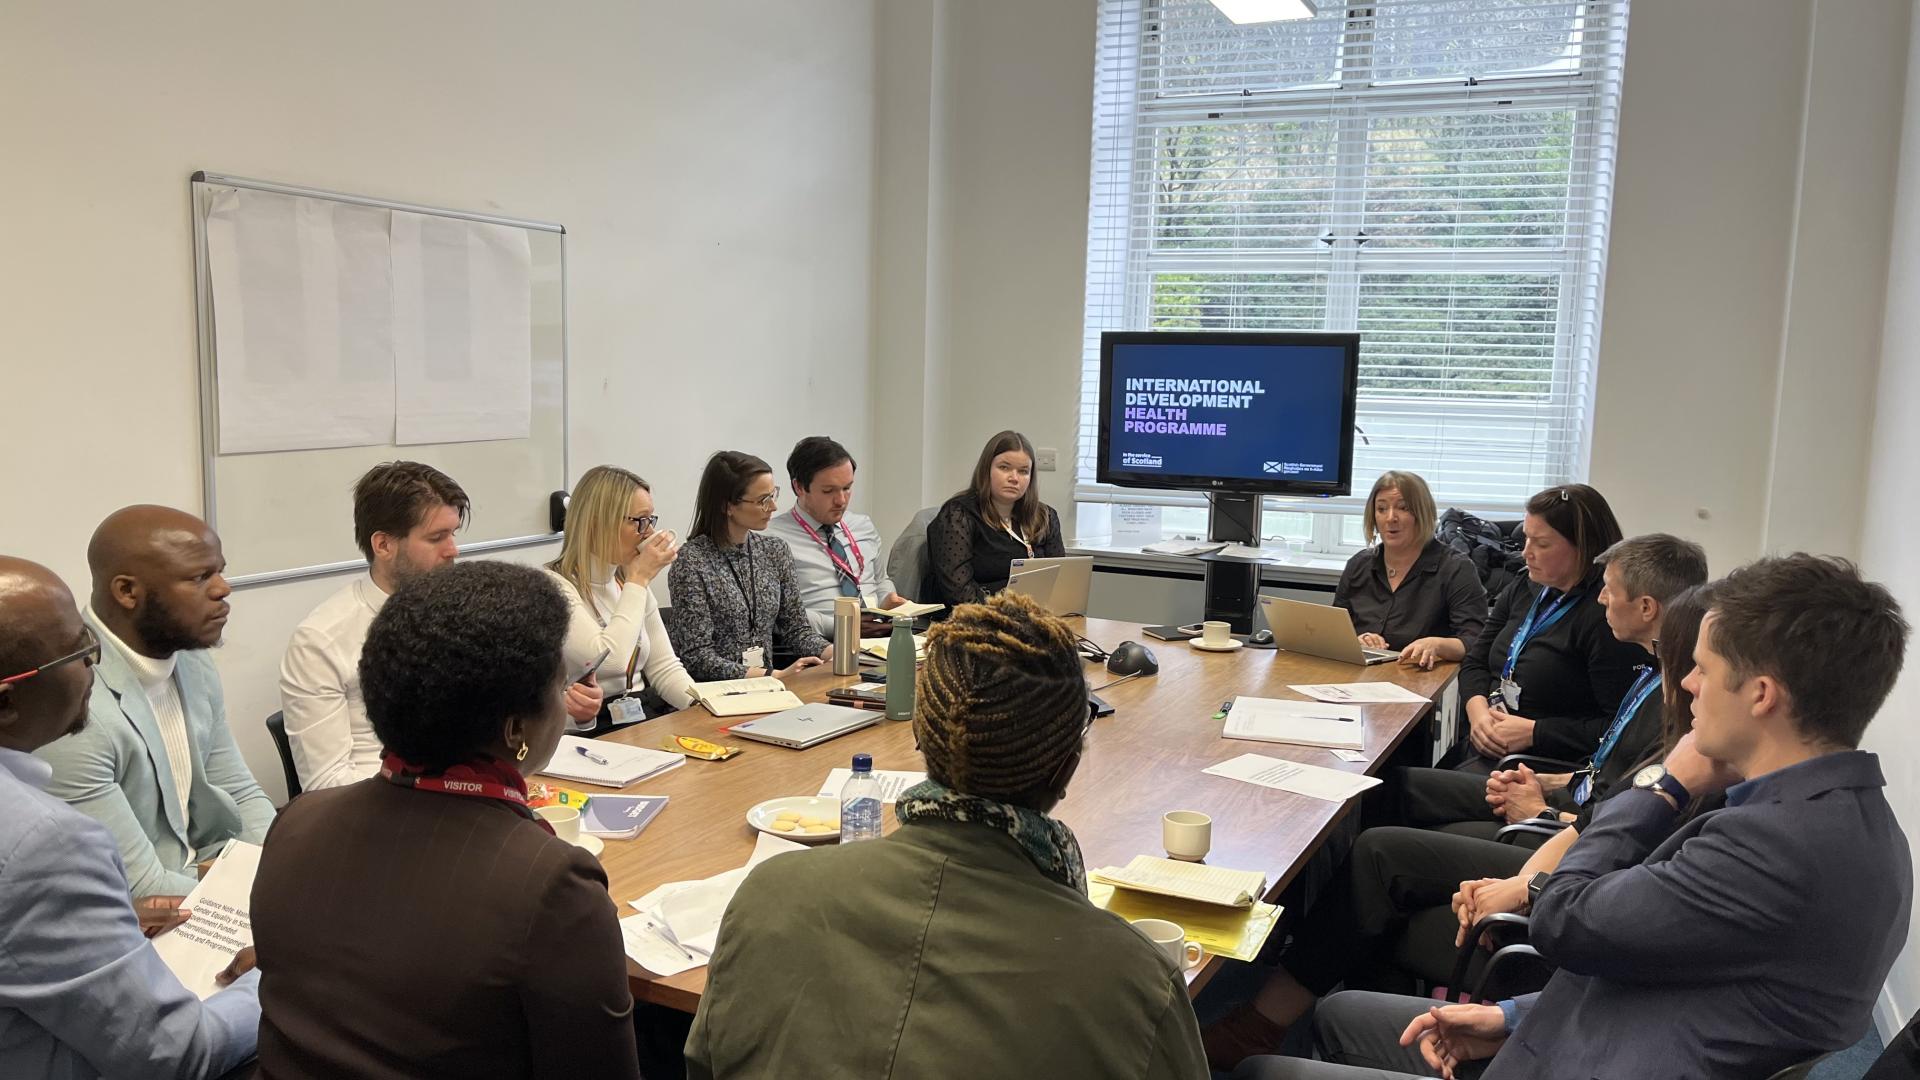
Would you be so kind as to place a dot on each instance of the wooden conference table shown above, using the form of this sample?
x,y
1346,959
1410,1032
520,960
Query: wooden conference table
x,y
1140,762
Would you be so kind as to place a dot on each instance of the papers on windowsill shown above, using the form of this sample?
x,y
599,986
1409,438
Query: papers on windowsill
x,y
1302,723
1360,693
624,764
745,697
678,924
892,782
221,924
1182,547
1235,933
1188,881
1312,781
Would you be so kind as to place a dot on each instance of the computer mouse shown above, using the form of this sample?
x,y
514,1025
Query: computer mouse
x,y
1132,658
1261,637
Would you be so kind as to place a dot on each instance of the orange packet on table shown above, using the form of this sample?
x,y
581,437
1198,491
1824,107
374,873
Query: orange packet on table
x,y
540,793
701,748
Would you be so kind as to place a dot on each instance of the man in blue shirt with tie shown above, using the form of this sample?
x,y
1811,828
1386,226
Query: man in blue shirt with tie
x,y
1735,944
835,552
82,992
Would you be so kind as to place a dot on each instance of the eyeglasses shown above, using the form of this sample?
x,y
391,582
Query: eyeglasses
x,y
644,524
764,502
89,652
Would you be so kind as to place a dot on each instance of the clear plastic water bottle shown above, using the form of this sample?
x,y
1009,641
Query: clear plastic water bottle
x,y
860,803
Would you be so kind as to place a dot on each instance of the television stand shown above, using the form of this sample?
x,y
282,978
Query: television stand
x,y
1233,585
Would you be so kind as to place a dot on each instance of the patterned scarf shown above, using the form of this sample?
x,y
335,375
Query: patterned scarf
x,y
1049,843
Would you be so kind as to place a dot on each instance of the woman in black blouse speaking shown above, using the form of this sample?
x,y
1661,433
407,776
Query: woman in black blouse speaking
x,y
976,536
1547,674
1409,591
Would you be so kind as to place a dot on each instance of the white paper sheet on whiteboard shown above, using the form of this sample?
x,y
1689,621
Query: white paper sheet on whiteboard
x,y
303,321
463,333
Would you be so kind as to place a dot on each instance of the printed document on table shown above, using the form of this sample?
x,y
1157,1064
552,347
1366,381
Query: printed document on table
x,y
1312,781
678,925
1360,693
892,782
221,923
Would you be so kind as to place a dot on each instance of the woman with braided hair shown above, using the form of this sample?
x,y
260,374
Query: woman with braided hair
x,y
963,943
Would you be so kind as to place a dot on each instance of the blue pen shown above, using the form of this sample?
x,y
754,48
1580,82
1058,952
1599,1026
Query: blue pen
x,y
591,756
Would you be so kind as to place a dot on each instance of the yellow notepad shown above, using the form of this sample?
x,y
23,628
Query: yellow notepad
x,y
1188,881
745,697
878,647
1235,933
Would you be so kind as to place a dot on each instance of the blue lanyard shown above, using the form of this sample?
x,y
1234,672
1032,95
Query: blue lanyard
x,y
1528,629
1643,688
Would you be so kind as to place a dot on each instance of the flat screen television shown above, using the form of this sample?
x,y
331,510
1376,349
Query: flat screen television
x,y
1225,411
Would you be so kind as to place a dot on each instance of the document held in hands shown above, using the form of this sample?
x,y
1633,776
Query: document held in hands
x,y
1312,781
892,782
1188,881
1302,723
906,609
221,923
745,697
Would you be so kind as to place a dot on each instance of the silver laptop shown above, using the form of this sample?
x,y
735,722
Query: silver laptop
x,y
1319,630
1070,589
808,725
1036,585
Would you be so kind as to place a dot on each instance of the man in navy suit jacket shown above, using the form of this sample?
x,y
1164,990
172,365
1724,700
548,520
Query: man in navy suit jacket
x,y
1749,939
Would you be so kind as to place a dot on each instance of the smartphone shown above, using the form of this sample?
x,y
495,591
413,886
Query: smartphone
x,y
595,666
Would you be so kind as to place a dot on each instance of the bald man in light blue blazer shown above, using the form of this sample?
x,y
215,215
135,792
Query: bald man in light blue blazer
x,y
156,764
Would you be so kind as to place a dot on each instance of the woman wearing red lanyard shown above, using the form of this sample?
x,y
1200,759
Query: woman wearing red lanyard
x,y
403,923
1547,674
972,542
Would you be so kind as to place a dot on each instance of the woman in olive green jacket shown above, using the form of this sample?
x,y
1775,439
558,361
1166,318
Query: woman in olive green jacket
x,y
963,944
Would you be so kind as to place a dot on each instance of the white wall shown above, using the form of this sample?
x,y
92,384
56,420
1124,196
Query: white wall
x,y
1890,521
1743,278
713,163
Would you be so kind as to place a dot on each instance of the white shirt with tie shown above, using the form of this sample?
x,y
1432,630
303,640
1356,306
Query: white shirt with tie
x,y
814,569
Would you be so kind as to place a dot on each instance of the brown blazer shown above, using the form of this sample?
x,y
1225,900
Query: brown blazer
x,y
408,934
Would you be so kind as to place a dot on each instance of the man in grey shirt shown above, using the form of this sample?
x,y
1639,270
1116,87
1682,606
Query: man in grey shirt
x,y
835,553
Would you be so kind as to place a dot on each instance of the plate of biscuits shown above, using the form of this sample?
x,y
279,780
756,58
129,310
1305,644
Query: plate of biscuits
x,y
798,817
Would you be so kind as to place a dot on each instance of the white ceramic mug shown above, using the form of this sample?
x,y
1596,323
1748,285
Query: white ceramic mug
x,y
565,821
1171,939
1187,834
1216,635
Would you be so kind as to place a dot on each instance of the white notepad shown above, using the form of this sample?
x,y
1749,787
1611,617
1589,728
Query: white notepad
x,y
1372,693
892,782
1189,881
624,764
1301,723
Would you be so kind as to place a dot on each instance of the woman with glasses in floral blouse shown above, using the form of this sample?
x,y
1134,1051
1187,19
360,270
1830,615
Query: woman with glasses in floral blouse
x,y
734,594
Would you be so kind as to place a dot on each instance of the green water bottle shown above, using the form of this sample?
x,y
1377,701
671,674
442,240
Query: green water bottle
x,y
900,670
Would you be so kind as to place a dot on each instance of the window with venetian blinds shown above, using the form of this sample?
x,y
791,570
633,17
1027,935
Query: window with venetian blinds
x,y
1435,174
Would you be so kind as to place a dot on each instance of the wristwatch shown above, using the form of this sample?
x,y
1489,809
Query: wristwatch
x,y
1534,885
1657,778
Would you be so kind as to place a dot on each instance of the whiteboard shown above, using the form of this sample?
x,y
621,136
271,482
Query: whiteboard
x,y
289,514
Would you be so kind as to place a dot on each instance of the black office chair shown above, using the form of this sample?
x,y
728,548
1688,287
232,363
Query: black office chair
x,y
1514,968
1532,827
277,727
242,1072
1539,764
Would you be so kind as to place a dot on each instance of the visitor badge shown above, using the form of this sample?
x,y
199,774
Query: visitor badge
x,y
626,710
755,657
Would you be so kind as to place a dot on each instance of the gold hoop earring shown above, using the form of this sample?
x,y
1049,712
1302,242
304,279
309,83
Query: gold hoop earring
x,y
521,754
